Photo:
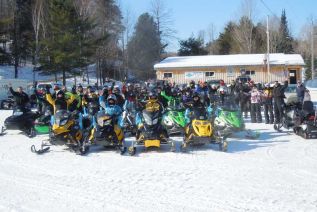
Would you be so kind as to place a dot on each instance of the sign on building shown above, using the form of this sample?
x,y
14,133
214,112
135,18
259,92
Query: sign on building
x,y
230,72
194,75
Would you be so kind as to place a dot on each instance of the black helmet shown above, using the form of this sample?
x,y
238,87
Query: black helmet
x,y
60,94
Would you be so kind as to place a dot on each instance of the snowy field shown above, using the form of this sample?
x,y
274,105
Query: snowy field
x,y
278,172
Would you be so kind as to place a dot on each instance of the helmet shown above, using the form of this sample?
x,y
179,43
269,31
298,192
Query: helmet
x,y
213,86
152,96
112,99
196,97
60,94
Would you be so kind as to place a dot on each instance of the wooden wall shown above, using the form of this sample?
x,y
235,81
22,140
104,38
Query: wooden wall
x,y
279,73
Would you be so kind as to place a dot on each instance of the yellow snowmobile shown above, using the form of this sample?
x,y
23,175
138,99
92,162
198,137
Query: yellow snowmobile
x,y
66,129
200,131
106,132
150,131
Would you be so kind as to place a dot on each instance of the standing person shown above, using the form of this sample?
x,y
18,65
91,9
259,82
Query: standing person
x,y
278,97
244,99
20,97
256,116
267,100
300,91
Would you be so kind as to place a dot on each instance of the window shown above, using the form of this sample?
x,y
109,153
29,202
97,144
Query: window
x,y
250,73
210,74
247,72
168,75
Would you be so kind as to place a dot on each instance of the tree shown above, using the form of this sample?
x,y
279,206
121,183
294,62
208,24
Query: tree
x,y
69,45
226,43
143,48
285,41
191,47
164,21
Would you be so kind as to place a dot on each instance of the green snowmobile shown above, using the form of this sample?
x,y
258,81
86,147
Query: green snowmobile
x,y
228,118
174,121
174,117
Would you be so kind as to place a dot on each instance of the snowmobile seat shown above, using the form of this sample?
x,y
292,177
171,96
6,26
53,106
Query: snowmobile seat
x,y
307,109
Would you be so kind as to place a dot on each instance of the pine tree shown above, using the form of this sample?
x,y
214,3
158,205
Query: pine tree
x,y
285,42
191,47
69,44
144,47
225,41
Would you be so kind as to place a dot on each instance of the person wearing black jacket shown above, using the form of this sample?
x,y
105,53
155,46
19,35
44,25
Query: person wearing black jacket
x,y
20,97
278,97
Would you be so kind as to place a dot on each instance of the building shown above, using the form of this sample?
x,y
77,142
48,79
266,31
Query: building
x,y
229,67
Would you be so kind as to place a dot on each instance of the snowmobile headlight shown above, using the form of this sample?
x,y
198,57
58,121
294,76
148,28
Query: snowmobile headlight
x,y
34,109
168,122
155,121
18,113
63,122
198,123
205,122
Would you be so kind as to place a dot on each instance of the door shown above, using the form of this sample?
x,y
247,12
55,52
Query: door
x,y
292,77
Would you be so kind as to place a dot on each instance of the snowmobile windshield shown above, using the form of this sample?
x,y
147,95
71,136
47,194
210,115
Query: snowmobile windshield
x,y
104,119
230,106
17,112
200,113
93,108
62,117
150,118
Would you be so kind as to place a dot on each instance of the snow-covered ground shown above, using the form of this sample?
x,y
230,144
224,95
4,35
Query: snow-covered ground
x,y
277,172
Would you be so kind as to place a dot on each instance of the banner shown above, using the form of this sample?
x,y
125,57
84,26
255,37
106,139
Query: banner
x,y
194,75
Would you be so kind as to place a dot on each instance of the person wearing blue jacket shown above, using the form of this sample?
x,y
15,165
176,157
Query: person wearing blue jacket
x,y
112,108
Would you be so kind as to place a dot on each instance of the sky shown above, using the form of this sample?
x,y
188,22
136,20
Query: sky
x,y
192,16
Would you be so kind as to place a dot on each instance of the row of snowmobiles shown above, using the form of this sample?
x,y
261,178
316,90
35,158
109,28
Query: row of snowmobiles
x,y
79,131
300,117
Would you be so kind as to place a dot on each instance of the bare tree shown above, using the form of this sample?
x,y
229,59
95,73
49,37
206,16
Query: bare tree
x,y
244,30
164,22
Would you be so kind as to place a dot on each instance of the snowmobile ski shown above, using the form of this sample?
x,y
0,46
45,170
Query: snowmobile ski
x,y
40,151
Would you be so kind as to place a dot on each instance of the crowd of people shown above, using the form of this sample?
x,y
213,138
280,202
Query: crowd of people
x,y
250,97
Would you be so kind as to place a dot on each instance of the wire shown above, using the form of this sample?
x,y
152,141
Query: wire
x,y
265,5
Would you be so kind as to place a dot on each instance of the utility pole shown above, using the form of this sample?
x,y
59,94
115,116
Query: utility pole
x,y
312,52
268,49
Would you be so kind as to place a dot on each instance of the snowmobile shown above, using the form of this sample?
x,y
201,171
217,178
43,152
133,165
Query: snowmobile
x,y
228,117
150,131
21,120
8,103
290,111
200,131
174,120
305,121
42,124
106,132
67,130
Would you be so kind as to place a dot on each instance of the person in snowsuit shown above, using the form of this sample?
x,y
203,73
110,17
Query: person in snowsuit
x,y
278,97
111,108
120,98
60,103
256,116
267,100
196,104
222,91
244,99
90,102
300,91
20,97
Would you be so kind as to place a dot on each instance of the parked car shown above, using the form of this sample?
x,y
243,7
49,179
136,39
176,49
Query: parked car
x,y
243,79
290,91
311,85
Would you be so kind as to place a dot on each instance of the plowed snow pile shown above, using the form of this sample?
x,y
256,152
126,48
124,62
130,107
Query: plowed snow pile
x,y
277,172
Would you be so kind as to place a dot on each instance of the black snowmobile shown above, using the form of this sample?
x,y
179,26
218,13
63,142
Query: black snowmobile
x,y
305,121
22,119
290,111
